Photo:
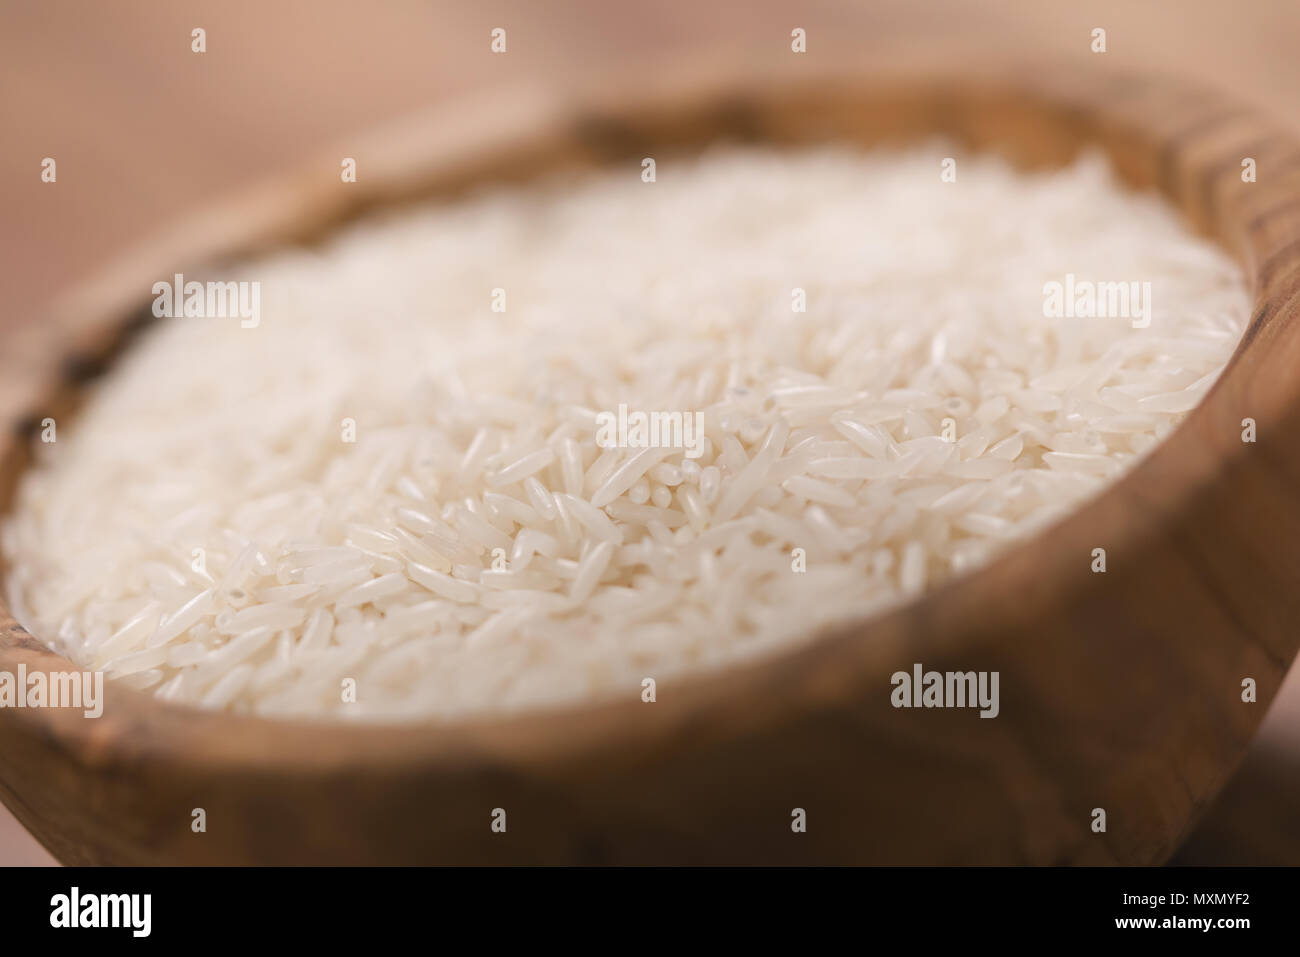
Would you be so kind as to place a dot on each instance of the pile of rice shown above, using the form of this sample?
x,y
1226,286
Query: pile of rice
x,y
324,560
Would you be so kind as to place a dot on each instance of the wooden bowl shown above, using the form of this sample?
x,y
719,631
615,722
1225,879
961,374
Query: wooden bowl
x,y
1120,691
1252,822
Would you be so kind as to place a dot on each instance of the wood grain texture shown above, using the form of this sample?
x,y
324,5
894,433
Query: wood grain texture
x,y
1119,691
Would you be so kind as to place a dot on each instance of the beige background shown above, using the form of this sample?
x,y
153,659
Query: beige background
x,y
144,130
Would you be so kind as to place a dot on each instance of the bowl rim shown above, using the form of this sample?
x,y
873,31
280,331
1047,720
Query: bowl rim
x,y
448,147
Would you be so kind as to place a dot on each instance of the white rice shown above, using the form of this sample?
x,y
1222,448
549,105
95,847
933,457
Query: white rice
x,y
475,550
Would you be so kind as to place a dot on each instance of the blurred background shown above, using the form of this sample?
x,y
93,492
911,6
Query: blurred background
x,y
145,132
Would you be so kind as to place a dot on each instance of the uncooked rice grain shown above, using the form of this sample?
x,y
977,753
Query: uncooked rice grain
x,y
206,530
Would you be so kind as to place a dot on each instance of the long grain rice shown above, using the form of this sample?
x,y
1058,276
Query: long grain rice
x,y
475,549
